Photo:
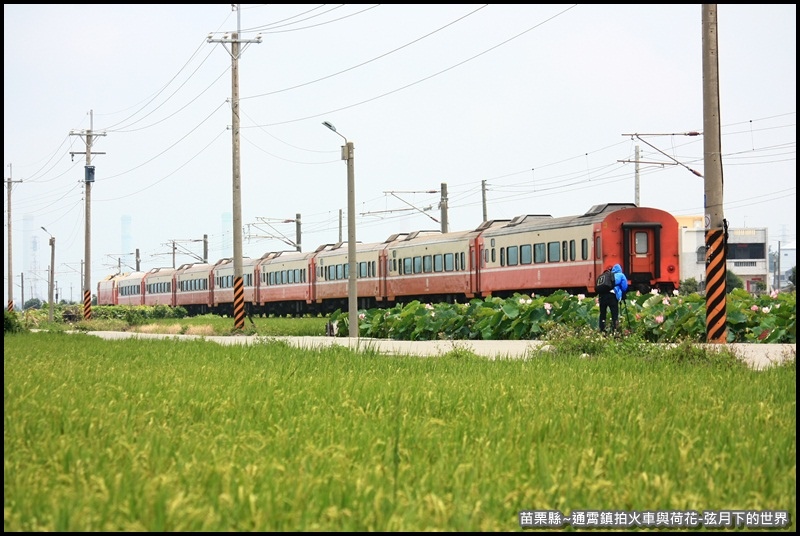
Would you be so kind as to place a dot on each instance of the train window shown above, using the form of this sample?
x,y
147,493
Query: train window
x,y
362,269
427,264
598,250
290,276
394,264
494,257
502,256
449,262
485,257
584,249
553,251
564,250
284,277
525,254
641,243
539,252
417,265
572,250
492,243
408,265
341,271
438,266
513,255
463,265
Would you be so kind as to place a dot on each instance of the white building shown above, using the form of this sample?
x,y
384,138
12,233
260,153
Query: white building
x,y
782,258
747,254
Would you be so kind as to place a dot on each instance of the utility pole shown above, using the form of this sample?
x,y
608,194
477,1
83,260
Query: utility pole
x,y
636,175
22,288
483,197
715,224
9,182
238,284
52,271
297,230
88,178
443,207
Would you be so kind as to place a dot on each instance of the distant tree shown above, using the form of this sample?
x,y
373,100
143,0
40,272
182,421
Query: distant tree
x,y
33,303
732,281
690,286
793,277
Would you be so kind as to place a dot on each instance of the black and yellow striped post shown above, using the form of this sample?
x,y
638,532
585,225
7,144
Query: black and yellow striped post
x,y
238,303
716,274
87,304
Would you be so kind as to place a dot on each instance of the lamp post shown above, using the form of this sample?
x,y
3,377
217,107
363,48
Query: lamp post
x,y
348,151
52,273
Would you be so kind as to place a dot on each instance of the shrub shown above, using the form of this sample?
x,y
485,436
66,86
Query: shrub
x,y
11,323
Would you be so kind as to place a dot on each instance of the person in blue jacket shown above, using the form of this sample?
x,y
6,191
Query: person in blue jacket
x,y
610,300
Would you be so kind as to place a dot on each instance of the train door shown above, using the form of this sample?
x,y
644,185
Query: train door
x,y
475,267
311,294
383,273
642,253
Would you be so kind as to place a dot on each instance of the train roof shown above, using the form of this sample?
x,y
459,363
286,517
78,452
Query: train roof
x,y
546,221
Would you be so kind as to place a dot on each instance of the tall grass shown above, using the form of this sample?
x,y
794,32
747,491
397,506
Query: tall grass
x,y
153,435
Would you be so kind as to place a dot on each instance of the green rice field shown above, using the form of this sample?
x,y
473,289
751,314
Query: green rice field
x,y
162,435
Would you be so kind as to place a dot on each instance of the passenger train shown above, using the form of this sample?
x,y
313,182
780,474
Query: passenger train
x,y
530,254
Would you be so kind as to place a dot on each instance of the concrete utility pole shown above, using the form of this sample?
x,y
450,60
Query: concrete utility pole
x,y
10,250
52,274
238,284
88,178
483,196
715,225
443,207
636,174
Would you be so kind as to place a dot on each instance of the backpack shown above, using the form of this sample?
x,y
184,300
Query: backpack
x,y
605,282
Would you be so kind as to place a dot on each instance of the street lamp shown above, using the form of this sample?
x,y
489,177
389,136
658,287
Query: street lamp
x,y
52,273
348,155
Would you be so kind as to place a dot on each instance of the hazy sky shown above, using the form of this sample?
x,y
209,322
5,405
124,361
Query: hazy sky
x,y
539,101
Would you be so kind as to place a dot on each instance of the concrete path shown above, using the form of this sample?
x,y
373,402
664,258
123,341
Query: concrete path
x,y
758,356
